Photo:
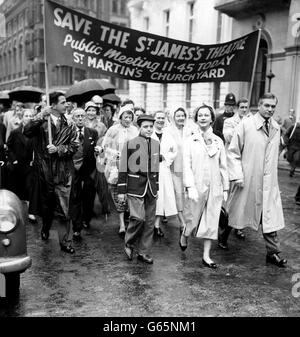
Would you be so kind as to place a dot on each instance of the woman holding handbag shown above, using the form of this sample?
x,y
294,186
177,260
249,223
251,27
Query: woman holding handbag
x,y
112,145
206,181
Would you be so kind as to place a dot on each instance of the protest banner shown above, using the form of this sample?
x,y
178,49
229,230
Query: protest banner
x,y
81,41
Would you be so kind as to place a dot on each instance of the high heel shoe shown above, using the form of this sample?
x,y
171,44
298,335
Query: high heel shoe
x,y
182,247
211,265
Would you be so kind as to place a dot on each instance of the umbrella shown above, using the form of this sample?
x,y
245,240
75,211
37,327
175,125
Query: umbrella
x,y
26,94
83,91
111,98
4,95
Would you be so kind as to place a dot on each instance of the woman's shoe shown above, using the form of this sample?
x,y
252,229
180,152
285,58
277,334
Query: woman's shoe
x,y
211,265
182,247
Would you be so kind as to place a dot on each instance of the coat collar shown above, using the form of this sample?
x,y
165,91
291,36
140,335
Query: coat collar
x,y
259,123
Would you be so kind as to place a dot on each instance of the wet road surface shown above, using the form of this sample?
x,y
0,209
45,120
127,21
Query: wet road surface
x,y
99,281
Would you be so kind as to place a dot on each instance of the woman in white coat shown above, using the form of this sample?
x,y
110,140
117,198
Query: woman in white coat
x,y
166,202
206,181
180,132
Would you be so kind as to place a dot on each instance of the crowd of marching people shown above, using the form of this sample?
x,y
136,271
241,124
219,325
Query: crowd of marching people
x,y
213,172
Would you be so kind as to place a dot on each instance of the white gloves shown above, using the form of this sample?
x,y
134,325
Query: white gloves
x,y
225,195
193,193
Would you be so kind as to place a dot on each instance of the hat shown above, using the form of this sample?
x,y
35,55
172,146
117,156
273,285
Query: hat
x,y
123,109
97,99
89,105
144,117
230,99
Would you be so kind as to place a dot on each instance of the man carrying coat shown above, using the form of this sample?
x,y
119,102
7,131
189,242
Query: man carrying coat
x,y
138,178
252,164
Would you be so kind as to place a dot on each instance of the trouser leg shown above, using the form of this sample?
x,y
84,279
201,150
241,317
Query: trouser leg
x,y
137,220
88,193
62,194
147,234
272,243
76,197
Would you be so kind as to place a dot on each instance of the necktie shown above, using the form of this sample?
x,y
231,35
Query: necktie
x,y
80,136
267,125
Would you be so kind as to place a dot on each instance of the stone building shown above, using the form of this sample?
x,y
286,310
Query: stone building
x,y
22,47
216,21
278,67
193,21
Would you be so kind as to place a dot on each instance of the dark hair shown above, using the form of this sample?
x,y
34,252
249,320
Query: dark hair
x,y
158,112
127,101
137,108
54,96
267,95
182,110
242,100
204,106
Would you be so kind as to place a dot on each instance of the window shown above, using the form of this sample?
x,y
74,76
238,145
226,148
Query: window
x,y
144,95
146,23
165,95
167,22
191,21
219,27
260,73
188,95
123,7
115,6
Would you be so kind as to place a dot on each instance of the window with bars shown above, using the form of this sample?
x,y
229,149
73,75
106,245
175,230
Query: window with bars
x,y
191,21
167,22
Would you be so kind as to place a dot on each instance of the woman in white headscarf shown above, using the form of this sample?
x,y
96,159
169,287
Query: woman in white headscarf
x,y
113,142
180,132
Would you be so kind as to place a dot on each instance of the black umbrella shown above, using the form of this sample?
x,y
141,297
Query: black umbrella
x,y
26,94
83,91
111,98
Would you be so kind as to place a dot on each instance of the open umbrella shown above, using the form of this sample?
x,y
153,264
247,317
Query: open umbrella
x,y
4,98
26,94
83,91
111,98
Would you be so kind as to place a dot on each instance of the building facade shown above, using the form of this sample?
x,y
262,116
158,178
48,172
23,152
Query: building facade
x,y
193,21
278,65
22,47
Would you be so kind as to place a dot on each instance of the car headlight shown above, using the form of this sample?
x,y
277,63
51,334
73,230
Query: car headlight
x,y
8,222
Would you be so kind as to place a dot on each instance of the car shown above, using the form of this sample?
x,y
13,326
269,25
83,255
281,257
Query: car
x,y
13,248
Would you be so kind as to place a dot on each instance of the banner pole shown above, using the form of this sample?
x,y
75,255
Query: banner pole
x,y
253,70
46,77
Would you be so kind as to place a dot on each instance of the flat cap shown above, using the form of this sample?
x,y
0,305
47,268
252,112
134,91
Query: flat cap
x,y
143,118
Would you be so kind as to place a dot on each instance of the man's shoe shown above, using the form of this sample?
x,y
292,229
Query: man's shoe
x,y
44,235
85,224
145,258
275,259
129,252
239,234
77,236
67,248
158,232
223,245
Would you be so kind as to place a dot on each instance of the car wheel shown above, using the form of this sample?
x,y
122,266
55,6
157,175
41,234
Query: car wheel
x,y
12,284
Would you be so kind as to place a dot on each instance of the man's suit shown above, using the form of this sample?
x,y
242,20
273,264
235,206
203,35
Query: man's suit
x,y
20,156
83,187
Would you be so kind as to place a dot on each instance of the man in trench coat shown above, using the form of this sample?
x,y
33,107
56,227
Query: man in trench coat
x,y
252,164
